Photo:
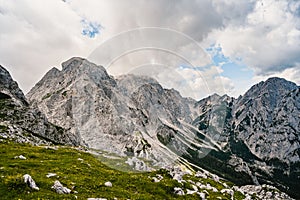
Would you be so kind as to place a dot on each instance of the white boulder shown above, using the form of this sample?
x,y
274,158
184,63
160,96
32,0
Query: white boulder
x,y
20,157
60,189
108,184
30,182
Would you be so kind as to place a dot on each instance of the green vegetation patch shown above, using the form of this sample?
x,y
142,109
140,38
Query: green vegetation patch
x,y
46,96
86,174
77,170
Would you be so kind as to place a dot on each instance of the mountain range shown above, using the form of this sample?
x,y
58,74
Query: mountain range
x,y
254,139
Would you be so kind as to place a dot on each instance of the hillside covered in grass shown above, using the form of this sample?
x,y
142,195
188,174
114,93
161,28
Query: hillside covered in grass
x,y
79,171
85,175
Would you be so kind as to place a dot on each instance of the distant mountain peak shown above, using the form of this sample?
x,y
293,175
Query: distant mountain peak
x,y
130,83
269,91
276,79
278,84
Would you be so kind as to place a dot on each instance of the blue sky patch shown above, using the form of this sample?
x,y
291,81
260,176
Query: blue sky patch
x,y
217,55
90,29
232,69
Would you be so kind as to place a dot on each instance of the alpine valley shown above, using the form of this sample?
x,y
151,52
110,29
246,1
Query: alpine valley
x,y
216,148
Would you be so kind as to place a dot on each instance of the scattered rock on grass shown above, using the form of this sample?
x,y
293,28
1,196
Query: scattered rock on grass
x,y
157,179
50,175
178,191
60,189
20,157
228,191
30,182
190,191
108,184
202,195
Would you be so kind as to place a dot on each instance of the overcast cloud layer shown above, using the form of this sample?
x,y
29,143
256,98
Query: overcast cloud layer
x,y
263,36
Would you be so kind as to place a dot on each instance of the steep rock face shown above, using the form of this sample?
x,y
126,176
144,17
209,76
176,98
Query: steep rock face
x,y
261,135
214,121
248,140
214,116
23,123
98,108
266,118
9,88
75,96
286,123
127,115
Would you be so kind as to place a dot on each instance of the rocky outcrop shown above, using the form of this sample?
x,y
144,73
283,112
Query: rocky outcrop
x,y
23,123
60,189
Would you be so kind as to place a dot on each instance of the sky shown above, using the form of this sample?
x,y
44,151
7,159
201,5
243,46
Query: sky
x,y
198,47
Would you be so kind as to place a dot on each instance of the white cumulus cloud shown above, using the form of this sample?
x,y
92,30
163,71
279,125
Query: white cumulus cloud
x,y
264,35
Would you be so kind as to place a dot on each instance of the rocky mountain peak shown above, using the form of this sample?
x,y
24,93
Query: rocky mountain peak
x,y
74,62
74,71
53,72
107,113
9,88
277,88
279,82
268,92
266,117
215,99
82,65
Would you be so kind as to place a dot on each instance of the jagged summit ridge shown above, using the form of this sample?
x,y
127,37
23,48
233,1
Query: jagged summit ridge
x,y
132,103
261,133
255,135
74,62
107,113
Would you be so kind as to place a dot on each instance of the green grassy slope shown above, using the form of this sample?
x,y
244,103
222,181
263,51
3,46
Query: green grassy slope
x,y
86,175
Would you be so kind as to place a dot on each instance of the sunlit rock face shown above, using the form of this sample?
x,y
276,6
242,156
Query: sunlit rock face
x,y
98,108
24,123
123,115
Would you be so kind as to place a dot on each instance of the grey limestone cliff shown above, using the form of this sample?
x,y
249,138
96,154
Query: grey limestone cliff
x,y
254,138
127,115
23,123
